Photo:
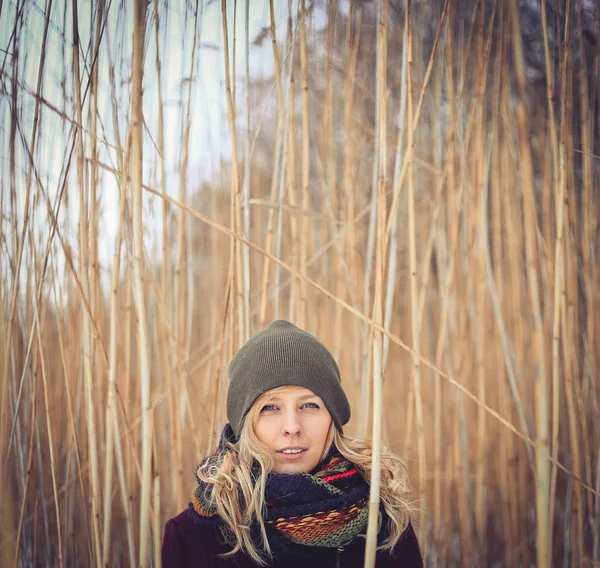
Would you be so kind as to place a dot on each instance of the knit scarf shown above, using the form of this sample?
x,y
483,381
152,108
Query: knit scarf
x,y
325,508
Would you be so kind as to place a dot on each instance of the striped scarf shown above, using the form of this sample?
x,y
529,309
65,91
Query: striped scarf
x,y
326,508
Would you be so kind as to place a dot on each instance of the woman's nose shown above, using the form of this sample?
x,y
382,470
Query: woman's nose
x,y
291,424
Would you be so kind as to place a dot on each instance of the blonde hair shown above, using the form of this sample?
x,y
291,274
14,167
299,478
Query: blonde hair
x,y
238,480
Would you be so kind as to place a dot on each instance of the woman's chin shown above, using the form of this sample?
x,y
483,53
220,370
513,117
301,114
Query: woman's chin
x,y
297,466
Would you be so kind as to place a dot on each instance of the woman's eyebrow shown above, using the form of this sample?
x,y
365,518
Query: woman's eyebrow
x,y
307,396
301,398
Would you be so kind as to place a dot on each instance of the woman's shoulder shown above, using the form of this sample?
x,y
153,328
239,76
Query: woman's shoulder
x,y
407,550
184,525
187,542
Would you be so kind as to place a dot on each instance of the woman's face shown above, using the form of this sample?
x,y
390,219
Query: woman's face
x,y
294,424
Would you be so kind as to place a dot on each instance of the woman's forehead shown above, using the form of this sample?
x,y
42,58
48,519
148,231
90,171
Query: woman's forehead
x,y
291,391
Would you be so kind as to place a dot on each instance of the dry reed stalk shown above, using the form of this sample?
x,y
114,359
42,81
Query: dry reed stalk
x,y
112,419
513,292
370,255
279,230
586,236
278,171
352,43
287,169
541,407
329,150
497,234
456,321
123,482
558,177
452,210
42,362
572,529
480,316
279,161
28,470
572,273
572,376
596,543
94,276
441,256
393,243
161,157
214,422
183,271
416,369
136,168
236,204
305,168
165,343
376,335
127,373
156,522
292,184
246,186
40,473
87,316
73,424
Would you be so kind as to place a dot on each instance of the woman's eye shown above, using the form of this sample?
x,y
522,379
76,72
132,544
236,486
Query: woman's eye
x,y
268,407
310,405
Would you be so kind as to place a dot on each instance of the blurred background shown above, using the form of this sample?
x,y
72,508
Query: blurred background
x,y
416,183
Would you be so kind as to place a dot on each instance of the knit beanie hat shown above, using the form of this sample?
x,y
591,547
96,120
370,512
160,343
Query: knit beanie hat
x,y
283,355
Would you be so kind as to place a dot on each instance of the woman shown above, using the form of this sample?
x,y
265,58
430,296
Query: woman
x,y
286,487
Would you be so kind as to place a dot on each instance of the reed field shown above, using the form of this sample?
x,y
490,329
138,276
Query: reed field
x,y
416,182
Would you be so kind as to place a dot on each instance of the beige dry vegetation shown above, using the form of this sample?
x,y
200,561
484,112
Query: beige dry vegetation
x,y
404,185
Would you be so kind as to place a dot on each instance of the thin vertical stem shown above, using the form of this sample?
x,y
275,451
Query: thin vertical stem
x,y
84,277
48,413
236,204
303,307
416,370
377,345
246,188
542,453
136,169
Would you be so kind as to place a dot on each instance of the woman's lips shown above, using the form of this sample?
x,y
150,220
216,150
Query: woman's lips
x,y
292,456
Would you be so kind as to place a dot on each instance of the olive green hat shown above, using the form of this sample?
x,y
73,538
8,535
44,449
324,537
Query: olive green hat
x,y
284,355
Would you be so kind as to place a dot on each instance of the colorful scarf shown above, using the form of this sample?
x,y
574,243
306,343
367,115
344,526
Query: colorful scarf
x,y
326,508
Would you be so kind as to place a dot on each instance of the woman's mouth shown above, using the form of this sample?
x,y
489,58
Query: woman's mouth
x,y
292,453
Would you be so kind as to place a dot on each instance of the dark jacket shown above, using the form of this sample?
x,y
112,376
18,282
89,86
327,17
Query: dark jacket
x,y
190,545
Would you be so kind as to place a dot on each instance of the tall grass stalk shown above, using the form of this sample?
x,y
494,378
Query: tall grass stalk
x,y
416,370
136,128
305,167
113,431
557,179
541,407
377,338
87,315
245,205
236,204
53,465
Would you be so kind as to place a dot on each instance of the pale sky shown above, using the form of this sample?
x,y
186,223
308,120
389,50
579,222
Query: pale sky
x,y
209,134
